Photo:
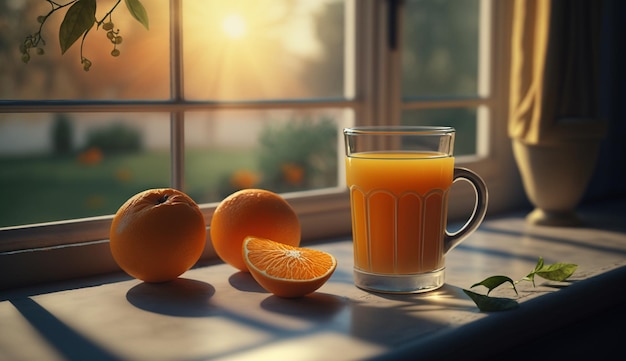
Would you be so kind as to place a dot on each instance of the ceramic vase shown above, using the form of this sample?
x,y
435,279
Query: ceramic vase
x,y
555,178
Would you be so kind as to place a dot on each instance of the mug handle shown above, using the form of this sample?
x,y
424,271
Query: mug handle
x,y
451,240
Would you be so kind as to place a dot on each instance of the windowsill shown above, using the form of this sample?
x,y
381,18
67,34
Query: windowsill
x,y
215,312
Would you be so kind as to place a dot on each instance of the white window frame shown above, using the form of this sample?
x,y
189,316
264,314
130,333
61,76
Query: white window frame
x,y
73,248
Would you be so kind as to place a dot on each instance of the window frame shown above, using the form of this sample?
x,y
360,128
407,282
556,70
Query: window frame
x,y
58,250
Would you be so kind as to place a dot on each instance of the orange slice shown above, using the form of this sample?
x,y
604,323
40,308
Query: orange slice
x,y
284,270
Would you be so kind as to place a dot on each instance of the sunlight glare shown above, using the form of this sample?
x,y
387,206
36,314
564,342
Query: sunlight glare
x,y
234,26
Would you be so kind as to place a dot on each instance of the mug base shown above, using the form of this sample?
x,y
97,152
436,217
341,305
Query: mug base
x,y
399,284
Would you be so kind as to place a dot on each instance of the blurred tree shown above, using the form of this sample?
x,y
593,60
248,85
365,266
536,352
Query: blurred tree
x,y
62,133
301,154
440,48
325,74
118,137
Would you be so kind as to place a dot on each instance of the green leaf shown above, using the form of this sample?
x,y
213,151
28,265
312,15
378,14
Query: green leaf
x,y
553,272
557,271
531,275
491,304
138,12
495,281
79,18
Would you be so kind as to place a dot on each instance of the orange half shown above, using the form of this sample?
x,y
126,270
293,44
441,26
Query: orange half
x,y
284,270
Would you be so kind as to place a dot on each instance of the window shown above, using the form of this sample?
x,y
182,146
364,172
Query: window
x,y
241,94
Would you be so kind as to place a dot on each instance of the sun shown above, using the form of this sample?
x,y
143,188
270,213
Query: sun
x,y
234,26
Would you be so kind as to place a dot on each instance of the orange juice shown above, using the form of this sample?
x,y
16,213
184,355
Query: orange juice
x,y
399,210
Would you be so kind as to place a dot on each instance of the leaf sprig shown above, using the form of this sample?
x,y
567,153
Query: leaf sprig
x,y
553,272
78,21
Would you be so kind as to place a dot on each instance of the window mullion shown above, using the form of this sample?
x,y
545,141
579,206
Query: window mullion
x,y
394,60
177,118
177,150
373,81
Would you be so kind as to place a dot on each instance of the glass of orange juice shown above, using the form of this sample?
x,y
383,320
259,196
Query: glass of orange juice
x,y
399,179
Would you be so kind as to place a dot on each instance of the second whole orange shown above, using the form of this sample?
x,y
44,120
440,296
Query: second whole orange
x,y
252,212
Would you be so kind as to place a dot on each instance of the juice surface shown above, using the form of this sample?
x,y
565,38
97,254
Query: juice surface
x,y
399,210
400,172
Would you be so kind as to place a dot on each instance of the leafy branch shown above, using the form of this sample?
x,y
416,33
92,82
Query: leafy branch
x,y
553,272
78,21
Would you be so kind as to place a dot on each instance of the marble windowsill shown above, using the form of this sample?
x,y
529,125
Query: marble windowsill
x,y
215,312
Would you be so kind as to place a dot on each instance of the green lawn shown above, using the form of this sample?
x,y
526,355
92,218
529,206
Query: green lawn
x,y
48,188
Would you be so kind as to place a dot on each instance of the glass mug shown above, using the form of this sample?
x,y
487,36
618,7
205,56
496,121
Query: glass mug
x,y
399,179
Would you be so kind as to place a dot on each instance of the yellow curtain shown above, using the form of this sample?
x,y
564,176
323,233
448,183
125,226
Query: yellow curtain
x,y
554,71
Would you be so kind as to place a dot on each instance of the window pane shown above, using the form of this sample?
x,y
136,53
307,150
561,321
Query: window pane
x,y
258,50
464,121
280,150
141,71
440,55
62,166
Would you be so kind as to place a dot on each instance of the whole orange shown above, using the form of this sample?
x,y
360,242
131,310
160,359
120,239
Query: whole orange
x,y
252,212
157,235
